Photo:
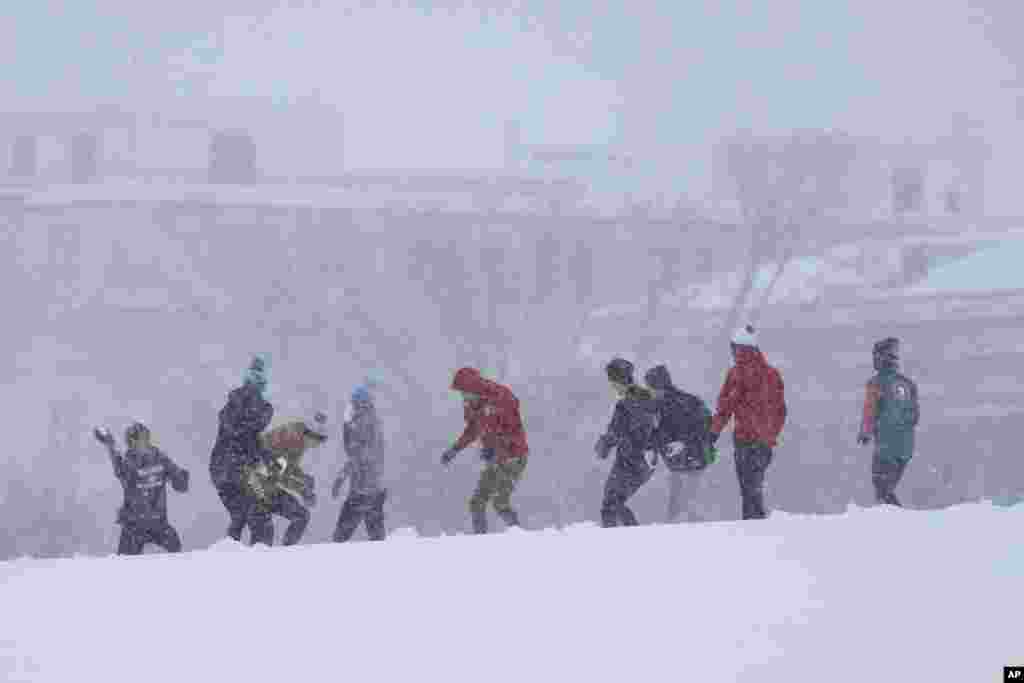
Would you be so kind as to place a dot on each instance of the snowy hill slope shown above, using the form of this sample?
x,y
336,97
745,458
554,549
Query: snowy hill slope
x,y
871,595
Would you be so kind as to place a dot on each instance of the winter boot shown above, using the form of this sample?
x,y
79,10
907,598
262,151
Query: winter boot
x,y
509,517
479,521
293,534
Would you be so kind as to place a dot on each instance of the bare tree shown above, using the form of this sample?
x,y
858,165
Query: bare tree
x,y
784,185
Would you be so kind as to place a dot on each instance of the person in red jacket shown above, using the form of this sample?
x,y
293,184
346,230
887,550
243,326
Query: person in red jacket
x,y
753,394
492,418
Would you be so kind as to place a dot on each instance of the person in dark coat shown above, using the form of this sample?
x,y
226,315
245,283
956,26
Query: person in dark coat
x,y
364,448
629,432
245,415
681,438
753,393
144,472
890,418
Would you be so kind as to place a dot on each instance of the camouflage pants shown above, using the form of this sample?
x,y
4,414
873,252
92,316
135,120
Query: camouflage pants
x,y
135,535
497,482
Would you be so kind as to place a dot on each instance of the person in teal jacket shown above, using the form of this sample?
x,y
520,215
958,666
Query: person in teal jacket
x,y
891,415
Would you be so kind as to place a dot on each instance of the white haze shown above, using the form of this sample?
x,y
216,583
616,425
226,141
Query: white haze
x,y
428,85
144,296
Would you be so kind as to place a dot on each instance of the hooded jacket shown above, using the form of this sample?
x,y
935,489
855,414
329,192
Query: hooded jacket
x,y
144,473
364,446
890,403
494,419
683,417
241,420
633,423
753,393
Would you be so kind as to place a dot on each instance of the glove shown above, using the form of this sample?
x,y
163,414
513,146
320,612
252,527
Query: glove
x,y
863,439
713,437
103,435
603,447
277,466
487,455
651,458
711,454
336,488
448,456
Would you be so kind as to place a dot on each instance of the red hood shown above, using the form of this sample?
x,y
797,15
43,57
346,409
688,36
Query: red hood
x,y
750,362
748,356
470,381
500,426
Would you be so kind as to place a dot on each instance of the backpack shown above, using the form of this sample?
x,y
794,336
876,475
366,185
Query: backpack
x,y
685,419
693,421
898,405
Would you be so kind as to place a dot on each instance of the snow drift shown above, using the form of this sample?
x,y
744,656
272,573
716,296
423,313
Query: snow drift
x,y
874,594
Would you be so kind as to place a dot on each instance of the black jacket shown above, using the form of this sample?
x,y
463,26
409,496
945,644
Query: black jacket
x,y
683,418
144,473
242,419
633,422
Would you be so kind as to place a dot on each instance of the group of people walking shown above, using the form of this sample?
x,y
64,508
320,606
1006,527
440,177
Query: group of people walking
x,y
660,421
258,472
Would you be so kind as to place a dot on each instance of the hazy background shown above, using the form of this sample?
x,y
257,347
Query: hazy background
x,y
406,188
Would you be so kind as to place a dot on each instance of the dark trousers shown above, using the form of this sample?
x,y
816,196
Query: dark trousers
x,y
886,475
893,450
752,460
624,481
244,510
285,505
135,535
360,508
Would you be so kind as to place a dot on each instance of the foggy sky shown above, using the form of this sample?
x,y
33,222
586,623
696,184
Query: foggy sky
x,y
425,85
433,89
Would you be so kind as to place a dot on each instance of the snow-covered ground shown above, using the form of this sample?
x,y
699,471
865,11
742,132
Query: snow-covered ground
x,y
991,269
872,595
859,268
295,195
857,272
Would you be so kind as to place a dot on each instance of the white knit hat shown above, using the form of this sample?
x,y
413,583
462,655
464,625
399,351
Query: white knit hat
x,y
745,336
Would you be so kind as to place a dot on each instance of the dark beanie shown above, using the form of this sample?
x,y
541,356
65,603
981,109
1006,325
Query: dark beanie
x,y
887,348
658,377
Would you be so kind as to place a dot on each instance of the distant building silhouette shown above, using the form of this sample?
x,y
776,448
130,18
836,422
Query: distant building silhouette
x,y
232,157
908,186
25,157
85,154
